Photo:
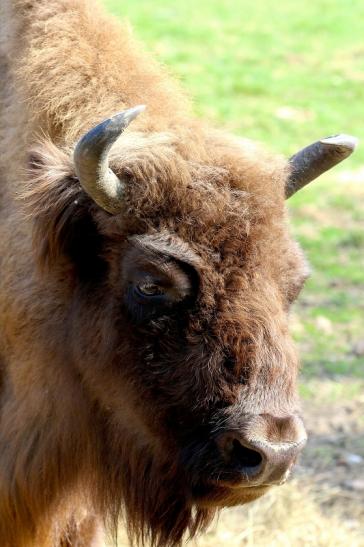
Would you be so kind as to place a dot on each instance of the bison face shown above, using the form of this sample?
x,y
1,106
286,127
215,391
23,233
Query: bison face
x,y
210,364
186,351
176,286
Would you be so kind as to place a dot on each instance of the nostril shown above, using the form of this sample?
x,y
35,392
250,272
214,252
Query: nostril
x,y
239,456
245,457
262,452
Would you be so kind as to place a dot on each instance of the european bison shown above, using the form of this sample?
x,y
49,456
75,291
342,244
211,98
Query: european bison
x,y
146,364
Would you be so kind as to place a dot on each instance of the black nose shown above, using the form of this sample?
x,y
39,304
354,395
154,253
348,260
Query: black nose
x,y
265,452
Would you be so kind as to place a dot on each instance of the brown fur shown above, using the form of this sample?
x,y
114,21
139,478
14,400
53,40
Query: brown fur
x,y
101,415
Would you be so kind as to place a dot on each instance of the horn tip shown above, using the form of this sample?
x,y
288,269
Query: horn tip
x,y
127,116
345,141
135,111
121,120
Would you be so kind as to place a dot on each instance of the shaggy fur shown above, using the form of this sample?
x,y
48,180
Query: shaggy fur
x,y
102,411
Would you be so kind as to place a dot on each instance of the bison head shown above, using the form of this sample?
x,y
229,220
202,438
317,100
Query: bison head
x,y
177,272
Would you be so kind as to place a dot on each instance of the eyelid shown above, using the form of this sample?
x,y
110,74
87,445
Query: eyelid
x,y
170,275
167,246
146,277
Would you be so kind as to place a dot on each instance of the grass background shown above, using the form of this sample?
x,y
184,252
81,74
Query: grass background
x,y
287,73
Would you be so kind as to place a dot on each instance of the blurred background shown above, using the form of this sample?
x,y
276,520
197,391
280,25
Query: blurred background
x,y
288,73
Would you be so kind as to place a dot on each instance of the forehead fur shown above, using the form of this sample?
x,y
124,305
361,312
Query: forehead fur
x,y
206,177
195,154
214,191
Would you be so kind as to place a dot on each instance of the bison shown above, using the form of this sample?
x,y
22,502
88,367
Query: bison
x,y
147,370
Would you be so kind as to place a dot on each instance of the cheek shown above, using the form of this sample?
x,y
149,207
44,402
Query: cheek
x,y
123,396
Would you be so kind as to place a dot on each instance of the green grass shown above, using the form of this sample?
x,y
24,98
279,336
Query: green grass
x,y
328,220
330,391
285,73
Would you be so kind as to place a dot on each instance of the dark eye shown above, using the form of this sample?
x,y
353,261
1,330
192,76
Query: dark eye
x,y
149,289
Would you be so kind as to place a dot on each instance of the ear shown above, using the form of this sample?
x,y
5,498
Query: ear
x,y
64,232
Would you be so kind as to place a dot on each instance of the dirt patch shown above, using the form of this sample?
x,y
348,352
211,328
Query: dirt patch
x,y
333,461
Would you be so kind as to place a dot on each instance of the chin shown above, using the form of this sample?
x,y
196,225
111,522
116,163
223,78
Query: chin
x,y
216,496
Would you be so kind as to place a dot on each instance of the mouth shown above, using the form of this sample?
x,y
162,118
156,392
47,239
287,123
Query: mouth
x,y
218,494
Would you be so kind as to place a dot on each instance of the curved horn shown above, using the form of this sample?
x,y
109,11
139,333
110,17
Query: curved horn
x,y
310,162
91,160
